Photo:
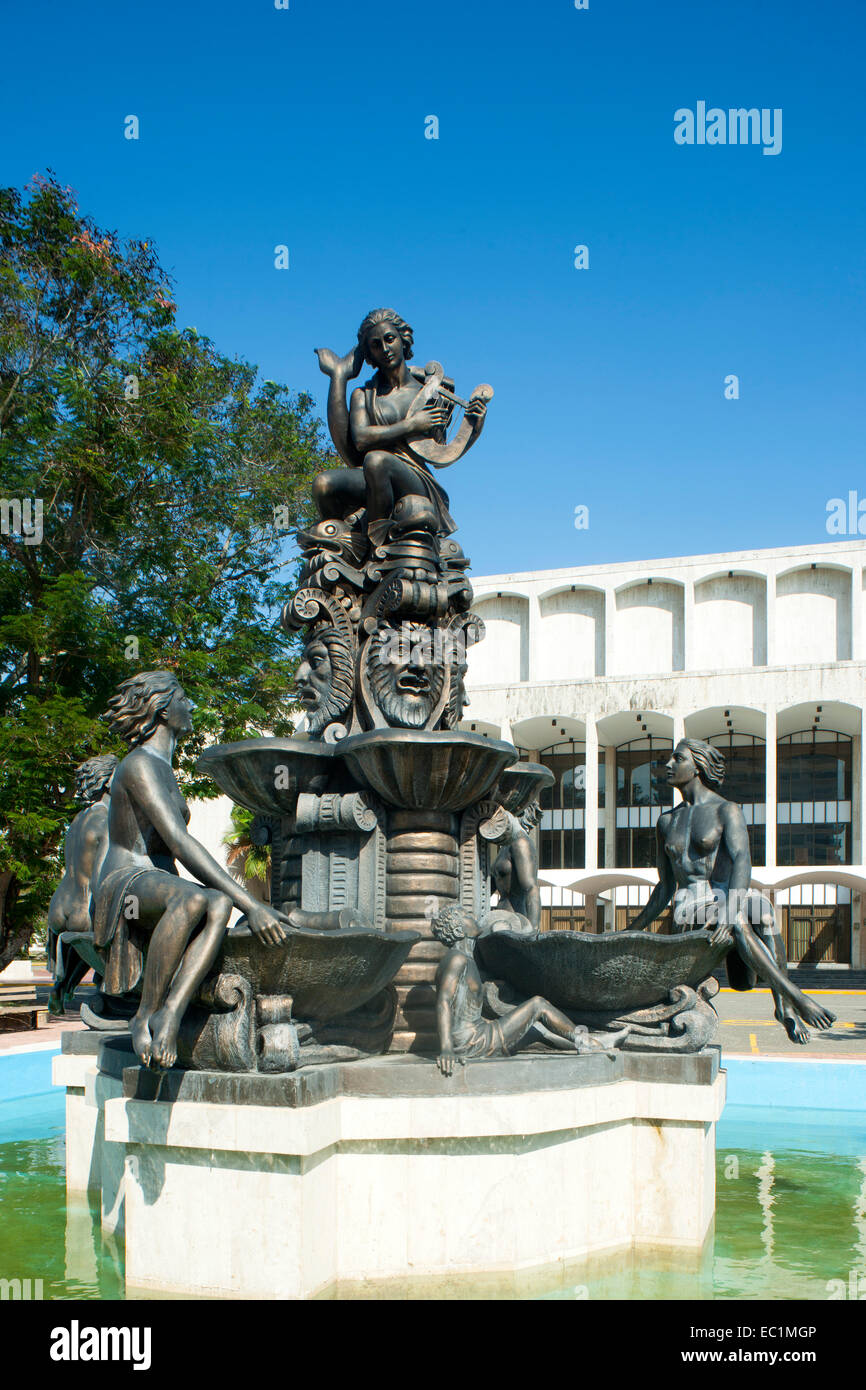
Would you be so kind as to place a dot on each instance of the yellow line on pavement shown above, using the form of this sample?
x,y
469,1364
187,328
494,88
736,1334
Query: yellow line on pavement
x,y
772,1023
753,1042
726,989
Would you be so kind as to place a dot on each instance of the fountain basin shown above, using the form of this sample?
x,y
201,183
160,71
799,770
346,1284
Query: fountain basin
x,y
421,770
268,774
327,973
615,972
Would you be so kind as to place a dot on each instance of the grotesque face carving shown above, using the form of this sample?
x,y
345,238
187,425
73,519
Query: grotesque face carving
x,y
407,674
313,683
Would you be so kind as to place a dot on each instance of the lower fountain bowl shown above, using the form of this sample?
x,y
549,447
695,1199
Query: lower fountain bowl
x,y
617,971
326,973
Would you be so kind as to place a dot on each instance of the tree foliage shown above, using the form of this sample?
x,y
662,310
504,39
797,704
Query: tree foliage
x,y
168,477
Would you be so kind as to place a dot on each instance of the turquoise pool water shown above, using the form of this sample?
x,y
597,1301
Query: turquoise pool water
x,y
790,1206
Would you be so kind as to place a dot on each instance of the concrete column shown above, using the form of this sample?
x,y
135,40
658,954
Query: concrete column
x,y
505,731
688,623
857,643
590,815
590,904
858,946
609,806
534,653
859,779
609,619
771,618
679,729
857,797
770,788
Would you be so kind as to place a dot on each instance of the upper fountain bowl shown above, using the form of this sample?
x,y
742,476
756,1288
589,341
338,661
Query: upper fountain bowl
x,y
421,770
268,774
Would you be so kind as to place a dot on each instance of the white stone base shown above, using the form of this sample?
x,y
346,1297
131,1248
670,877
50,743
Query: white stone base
x,y
92,1164
249,1201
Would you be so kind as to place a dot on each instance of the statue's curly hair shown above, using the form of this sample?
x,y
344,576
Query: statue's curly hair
x,y
709,762
386,316
141,701
92,777
447,924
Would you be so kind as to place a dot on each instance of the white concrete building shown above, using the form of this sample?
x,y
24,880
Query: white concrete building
x,y
598,671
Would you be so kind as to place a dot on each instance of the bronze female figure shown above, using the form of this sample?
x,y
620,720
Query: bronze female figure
x,y
138,896
704,865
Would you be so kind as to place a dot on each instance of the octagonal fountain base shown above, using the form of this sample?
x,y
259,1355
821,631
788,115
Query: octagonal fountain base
x,y
382,1172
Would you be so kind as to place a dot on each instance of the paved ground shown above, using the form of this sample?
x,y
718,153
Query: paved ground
x,y
748,1025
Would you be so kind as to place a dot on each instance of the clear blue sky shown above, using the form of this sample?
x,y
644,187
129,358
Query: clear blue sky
x,y
305,126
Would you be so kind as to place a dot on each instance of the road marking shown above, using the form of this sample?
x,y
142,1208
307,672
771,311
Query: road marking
x,y
753,1042
772,1022
726,989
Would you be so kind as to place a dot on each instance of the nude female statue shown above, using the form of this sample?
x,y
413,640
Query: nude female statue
x,y
375,434
83,850
138,892
515,869
705,867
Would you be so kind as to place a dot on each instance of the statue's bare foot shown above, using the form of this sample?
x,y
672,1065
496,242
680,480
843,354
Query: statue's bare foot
x,y
348,366
815,1014
795,1028
164,1026
141,1039
585,1041
55,1004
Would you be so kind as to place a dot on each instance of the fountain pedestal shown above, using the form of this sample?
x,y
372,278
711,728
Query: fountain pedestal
x,y
383,1172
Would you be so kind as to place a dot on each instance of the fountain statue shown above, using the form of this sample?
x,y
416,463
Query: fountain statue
x,y
401,957
69,924
704,865
389,827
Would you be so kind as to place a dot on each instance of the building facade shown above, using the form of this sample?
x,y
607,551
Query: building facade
x,y
598,671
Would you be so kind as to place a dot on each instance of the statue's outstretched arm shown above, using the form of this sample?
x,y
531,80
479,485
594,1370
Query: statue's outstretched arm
x,y
151,783
446,988
341,371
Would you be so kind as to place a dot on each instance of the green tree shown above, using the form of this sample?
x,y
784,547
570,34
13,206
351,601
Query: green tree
x,y
147,487
247,861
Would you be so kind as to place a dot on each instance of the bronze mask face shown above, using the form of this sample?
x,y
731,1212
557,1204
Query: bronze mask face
x,y
407,675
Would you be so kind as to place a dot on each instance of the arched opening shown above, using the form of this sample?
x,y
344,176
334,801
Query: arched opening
x,y
502,658
745,783
814,784
562,830
813,615
642,791
571,634
648,629
730,622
